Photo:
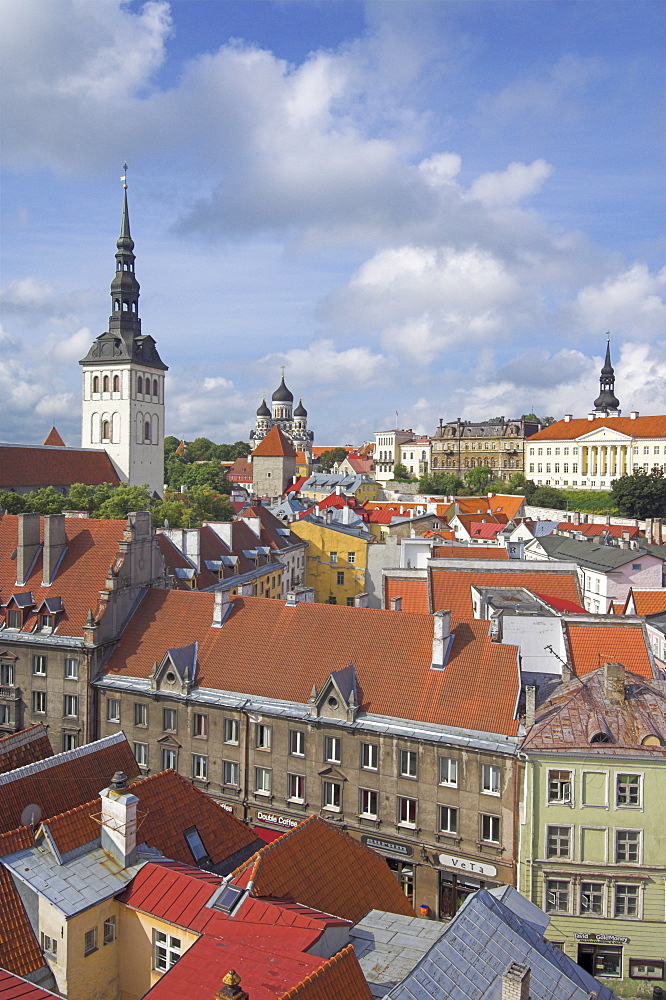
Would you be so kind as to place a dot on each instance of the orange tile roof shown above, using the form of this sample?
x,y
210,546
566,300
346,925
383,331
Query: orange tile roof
x,y
477,690
67,779
450,588
16,840
414,594
340,976
640,427
19,951
92,546
275,443
53,439
590,646
48,465
321,866
615,530
647,602
469,552
24,747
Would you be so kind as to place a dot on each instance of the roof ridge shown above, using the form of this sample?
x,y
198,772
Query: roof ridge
x,y
62,758
327,964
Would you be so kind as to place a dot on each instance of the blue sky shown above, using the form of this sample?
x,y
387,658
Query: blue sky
x,y
437,208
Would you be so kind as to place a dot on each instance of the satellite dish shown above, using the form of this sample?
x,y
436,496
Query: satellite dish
x,y
31,815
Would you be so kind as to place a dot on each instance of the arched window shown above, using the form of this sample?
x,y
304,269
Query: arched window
x,y
116,305
116,383
106,430
125,306
146,430
133,307
105,383
139,384
96,383
156,390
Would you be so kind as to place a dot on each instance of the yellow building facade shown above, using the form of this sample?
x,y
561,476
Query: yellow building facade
x,y
337,559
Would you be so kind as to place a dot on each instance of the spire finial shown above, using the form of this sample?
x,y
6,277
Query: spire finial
x,y
283,369
124,177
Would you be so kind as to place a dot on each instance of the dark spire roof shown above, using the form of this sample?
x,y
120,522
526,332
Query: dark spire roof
x,y
124,341
300,410
282,394
607,401
263,410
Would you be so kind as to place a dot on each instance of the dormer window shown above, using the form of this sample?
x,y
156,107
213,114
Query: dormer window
x,y
46,622
14,618
600,738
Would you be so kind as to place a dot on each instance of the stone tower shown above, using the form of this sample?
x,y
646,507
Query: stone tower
x,y
123,381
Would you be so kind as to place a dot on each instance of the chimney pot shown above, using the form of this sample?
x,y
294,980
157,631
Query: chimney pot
x,y
633,415
516,982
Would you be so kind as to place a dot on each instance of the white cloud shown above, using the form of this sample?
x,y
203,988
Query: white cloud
x,y
629,304
506,187
321,364
27,294
555,92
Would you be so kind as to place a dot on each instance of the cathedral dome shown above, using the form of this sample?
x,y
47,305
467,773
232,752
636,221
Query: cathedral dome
x,y
282,394
263,410
300,410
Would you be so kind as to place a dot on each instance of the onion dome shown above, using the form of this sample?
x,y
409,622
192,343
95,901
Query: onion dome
x,y
263,410
282,394
300,410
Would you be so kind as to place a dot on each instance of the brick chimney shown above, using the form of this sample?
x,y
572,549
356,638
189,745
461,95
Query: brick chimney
x,y
55,543
614,682
119,808
28,546
530,705
396,604
221,608
441,639
516,982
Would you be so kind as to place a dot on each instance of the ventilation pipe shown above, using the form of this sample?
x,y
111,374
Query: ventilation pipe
x,y
55,543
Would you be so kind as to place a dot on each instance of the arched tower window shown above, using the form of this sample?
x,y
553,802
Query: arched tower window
x,y
125,306
156,390
105,384
95,383
139,385
116,383
116,305
146,430
106,430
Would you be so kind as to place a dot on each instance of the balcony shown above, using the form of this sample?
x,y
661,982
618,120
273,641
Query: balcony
x,y
10,692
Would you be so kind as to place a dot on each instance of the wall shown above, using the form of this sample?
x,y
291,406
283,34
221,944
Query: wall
x,y
322,572
136,937
95,975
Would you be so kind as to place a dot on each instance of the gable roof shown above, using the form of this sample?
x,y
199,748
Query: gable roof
x,y
53,439
24,747
645,602
19,950
450,588
469,552
569,430
614,530
275,444
478,689
591,645
323,867
66,779
36,466
171,891
602,558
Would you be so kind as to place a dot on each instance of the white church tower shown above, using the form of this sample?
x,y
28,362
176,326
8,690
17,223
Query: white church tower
x,y
123,381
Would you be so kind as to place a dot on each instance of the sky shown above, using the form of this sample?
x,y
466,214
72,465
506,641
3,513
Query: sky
x,y
423,210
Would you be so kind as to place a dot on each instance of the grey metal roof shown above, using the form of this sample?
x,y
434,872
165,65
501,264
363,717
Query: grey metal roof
x,y
589,554
388,946
468,961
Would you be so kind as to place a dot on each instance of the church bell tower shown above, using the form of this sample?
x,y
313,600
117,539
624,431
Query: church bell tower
x,y
123,380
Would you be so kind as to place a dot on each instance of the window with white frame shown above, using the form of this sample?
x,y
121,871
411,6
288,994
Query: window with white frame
x,y
231,731
296,787
627,846
333,749
49,945
592,897
109,931
141,754
39,702
70,741
170,720
628,791
166,951
297,743
169,759
263,736
557,895
351,557
200,726
113,709
90,942
6,674
262,780
559,787
332,795
39,665
408,763
491,778
490,828
558,841
199,767
627,900
71,706
448,819
231,773
406,811
140,715
368,803
448,771
71,668
369,756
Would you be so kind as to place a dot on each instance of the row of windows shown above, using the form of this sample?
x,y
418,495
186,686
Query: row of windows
x,y
592,898
15,618
628,789
627,847
144,386
333,557
565,467
39,664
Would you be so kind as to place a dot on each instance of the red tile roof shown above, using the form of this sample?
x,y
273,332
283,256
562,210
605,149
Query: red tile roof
x,y
477,689
19,951
640,427
646,602
414,594
24,747
469,552
15,988
560,604
340,976
614,530
590,646
481,529
171,891
53,439
48,465
450,588
92,546
274,444
67,779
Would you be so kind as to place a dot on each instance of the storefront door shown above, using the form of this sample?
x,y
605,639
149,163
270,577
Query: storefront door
x,y
600,960
405,876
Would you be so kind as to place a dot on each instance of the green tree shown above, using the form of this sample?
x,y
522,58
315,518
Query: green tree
x,y
477,479
89,498
170,444
123,500
519,484
207,474
642,494
328,458
546,496
13,503
45,501
401,473
531,416
441,484
189,510
201,450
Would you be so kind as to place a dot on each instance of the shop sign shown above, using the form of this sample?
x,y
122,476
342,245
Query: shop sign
x,y
226,807
276,820
603,938
465,865
387,846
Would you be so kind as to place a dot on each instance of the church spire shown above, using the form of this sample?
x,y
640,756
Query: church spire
x,y
607,404
124,320
125,241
